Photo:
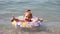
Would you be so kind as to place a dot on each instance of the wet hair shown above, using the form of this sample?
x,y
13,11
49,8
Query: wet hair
x,y
29,11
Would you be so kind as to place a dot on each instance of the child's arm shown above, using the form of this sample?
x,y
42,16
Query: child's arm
x,y
38,19
17,20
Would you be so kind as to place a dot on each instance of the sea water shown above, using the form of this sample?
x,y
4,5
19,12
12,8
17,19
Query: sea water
x,y
49,10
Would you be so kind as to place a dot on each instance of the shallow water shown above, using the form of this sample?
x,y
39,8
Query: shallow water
x,y
49,10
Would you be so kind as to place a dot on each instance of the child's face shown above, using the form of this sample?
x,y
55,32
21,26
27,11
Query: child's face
x,y
27,16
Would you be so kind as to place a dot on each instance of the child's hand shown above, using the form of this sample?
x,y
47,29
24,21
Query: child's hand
x,y
12,19
38,19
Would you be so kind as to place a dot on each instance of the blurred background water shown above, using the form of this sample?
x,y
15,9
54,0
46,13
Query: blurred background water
x,y
49,10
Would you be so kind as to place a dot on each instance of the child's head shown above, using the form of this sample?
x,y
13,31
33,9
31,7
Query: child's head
x,y
28,15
